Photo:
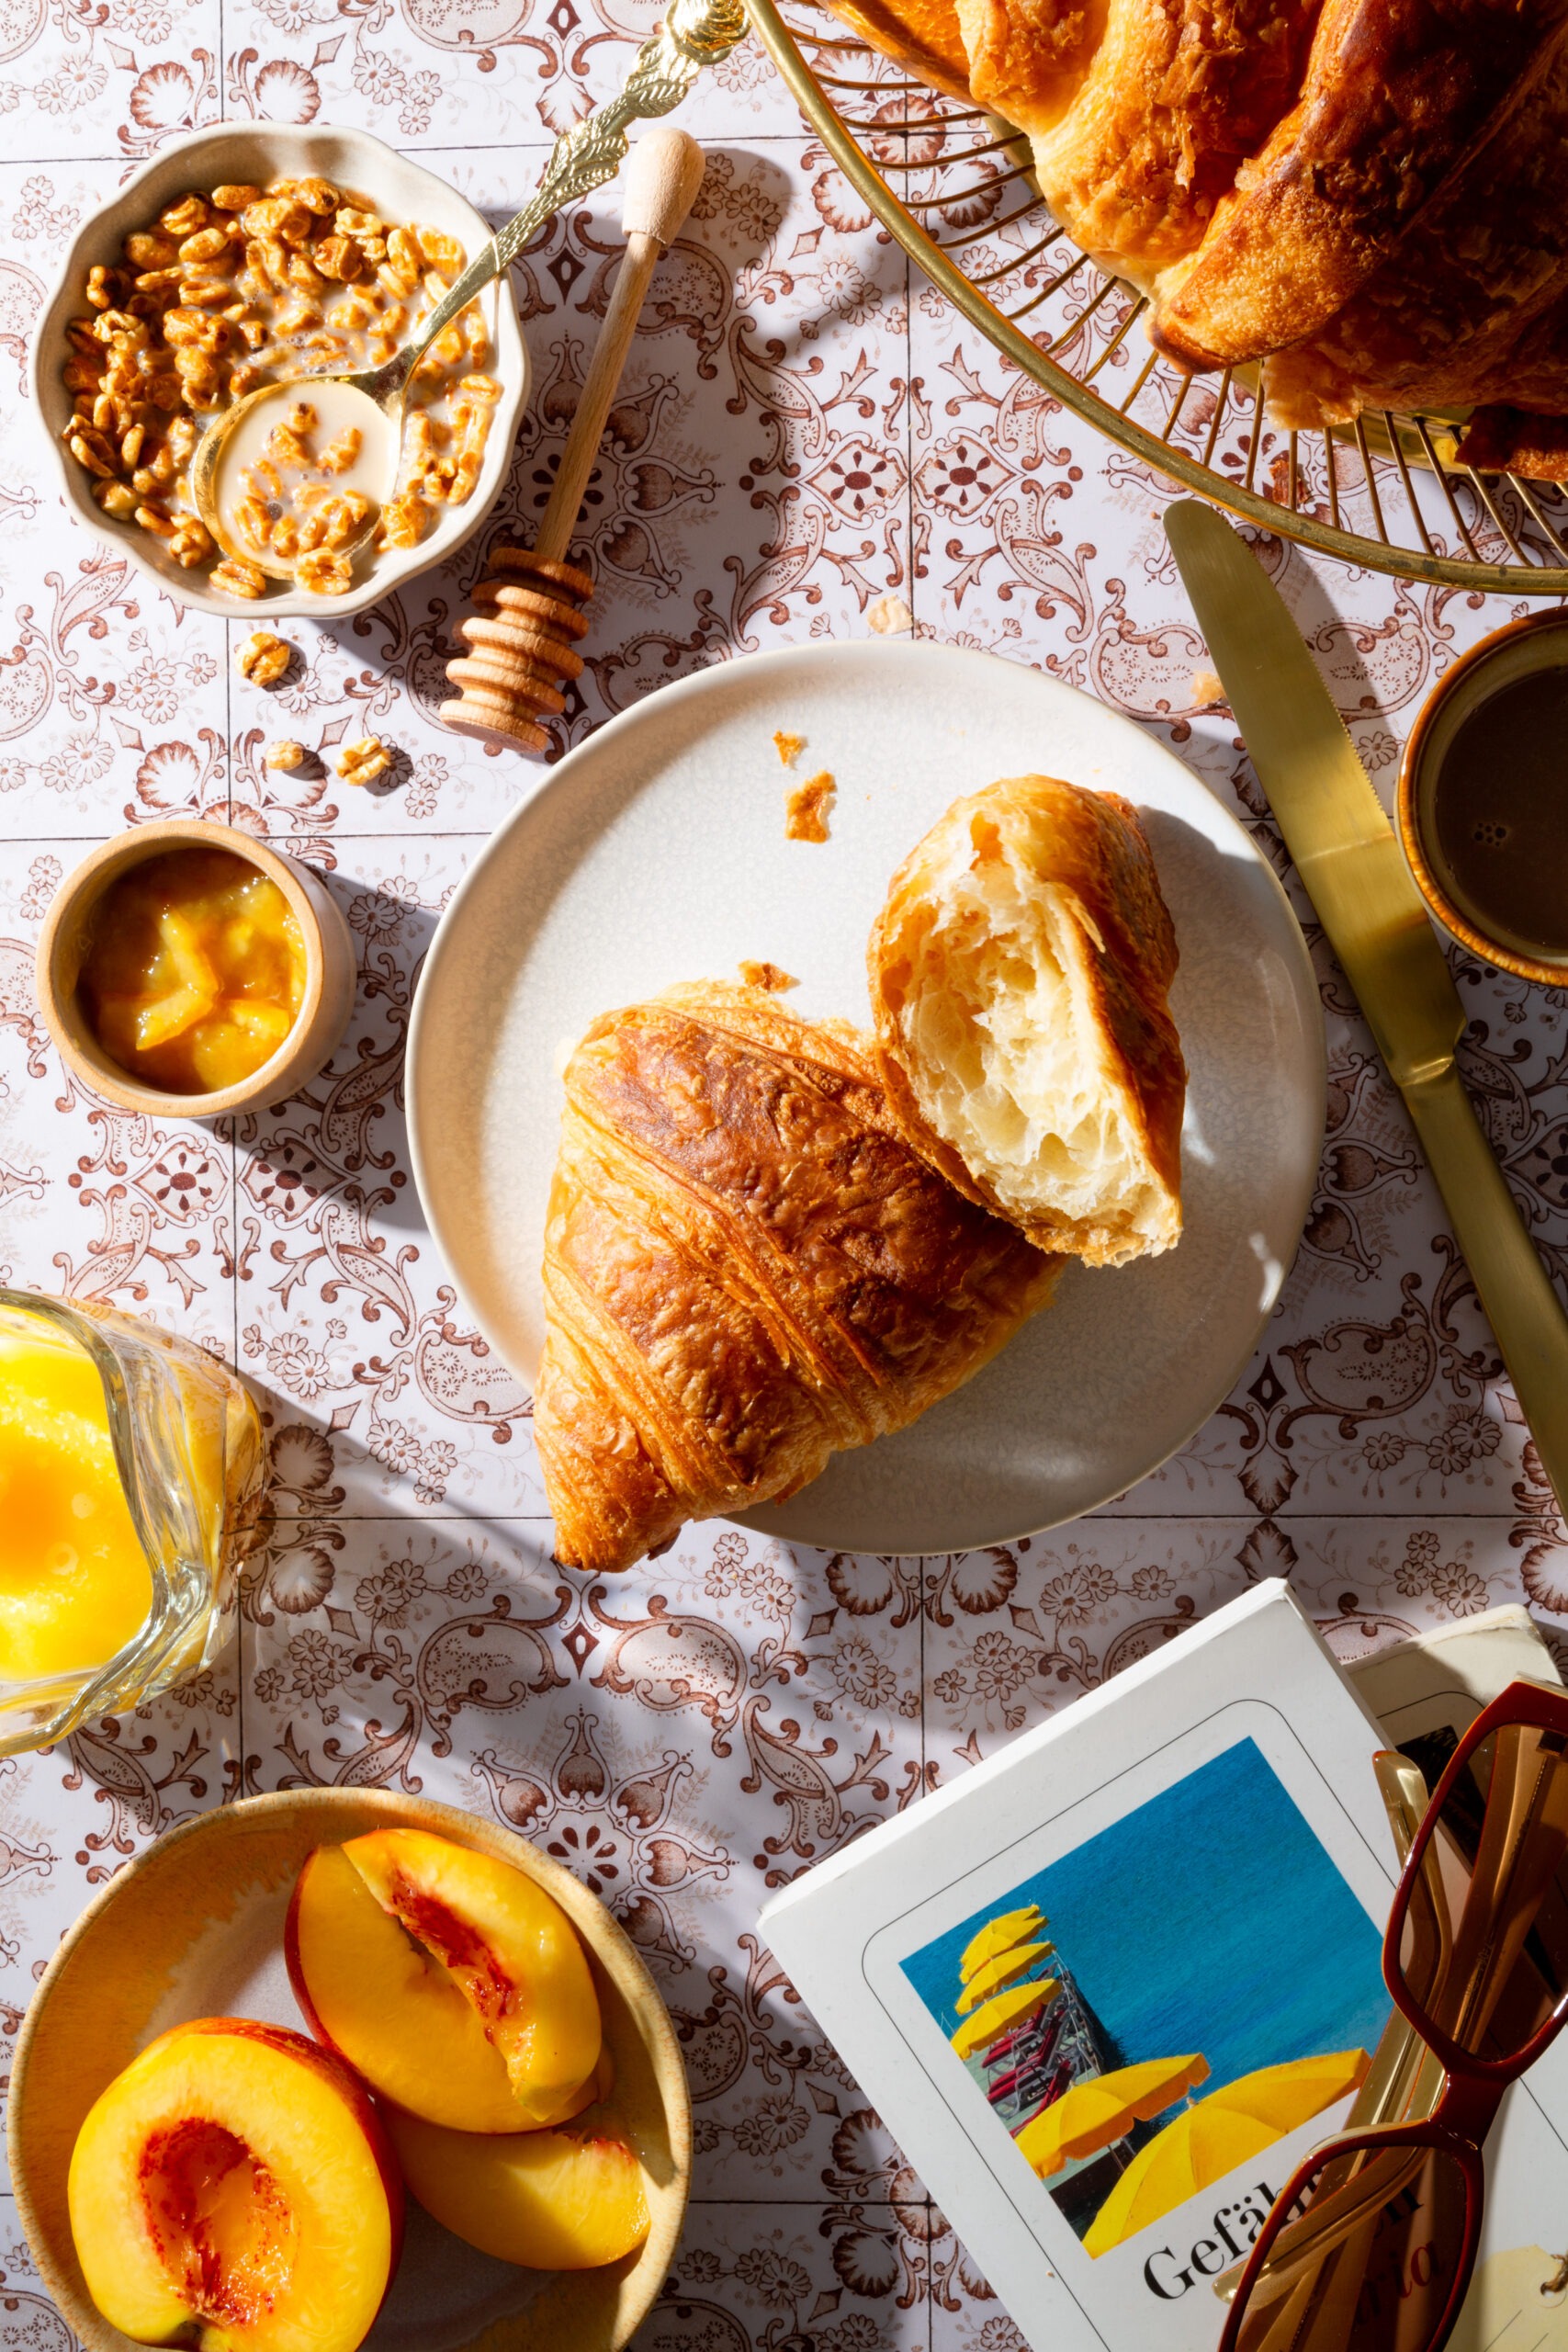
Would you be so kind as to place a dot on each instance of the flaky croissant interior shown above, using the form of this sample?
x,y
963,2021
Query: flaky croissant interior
x,y
1018,973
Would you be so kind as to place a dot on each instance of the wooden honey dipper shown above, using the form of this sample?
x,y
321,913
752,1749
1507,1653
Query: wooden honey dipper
x,y
522,640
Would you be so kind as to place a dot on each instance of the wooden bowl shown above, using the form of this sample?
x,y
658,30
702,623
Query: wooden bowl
x,y
194,1927
330,972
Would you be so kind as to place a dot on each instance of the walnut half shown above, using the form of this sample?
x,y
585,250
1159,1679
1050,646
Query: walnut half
x,y
263,658
363,762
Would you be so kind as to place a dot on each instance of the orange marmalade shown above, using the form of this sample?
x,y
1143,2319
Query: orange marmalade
x,y
194,970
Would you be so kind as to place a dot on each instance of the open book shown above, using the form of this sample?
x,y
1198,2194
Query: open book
x,y
1108,1990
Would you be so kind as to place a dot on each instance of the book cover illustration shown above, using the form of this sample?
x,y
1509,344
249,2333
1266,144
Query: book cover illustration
x,y
1151,2012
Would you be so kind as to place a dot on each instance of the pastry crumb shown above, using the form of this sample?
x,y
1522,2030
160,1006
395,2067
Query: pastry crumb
x,y
1208,687
772,976
888,616
788,747
807,807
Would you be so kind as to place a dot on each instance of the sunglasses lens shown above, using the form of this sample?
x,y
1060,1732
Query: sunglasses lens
x,y
1369,2261
1483,1952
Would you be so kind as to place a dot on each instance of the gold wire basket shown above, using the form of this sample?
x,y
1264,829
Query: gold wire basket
x,y
1388,492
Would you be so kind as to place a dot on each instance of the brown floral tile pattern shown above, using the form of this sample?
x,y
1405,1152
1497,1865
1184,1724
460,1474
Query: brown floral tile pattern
x,y
29,2321
686,1738
806,429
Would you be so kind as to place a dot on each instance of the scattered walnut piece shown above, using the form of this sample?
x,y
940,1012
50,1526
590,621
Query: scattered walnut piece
x,y
263,658
788,747
1207,689
363,762
807,808
888,616
772,976
284,755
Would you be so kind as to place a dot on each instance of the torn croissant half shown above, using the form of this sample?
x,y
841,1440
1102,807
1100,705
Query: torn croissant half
x,y
1018,973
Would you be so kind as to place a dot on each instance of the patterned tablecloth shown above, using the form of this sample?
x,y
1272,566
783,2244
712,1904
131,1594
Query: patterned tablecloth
x,y
806,429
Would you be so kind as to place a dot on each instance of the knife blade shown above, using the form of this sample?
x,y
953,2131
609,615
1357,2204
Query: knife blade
x,y
1354,872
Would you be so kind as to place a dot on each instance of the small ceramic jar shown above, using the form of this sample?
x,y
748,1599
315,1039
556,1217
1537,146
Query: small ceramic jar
x,y
330,972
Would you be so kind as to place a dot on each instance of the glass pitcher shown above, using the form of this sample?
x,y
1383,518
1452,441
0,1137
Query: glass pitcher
x,y
132,1475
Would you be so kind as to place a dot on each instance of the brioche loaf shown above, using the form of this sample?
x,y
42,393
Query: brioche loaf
x,y
1019,972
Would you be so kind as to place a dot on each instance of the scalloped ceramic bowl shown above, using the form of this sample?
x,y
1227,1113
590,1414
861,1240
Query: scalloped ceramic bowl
x,y
193,1928
256,153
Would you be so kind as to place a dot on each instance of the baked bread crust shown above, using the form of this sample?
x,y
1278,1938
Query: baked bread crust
x,y
1028,58
1398,96
1469,299
1364,194
921,34
1175,96
1054,1098
747,1268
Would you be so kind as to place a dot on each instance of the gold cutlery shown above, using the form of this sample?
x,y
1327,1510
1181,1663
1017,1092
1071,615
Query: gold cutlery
x,y
1353,870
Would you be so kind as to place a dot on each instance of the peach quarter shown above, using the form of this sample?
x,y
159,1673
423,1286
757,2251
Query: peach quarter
x,y
233,2189
454,1985
548,2200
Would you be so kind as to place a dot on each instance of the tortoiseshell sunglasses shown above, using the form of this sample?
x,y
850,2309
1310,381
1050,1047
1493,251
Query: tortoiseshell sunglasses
x,y
1370,2245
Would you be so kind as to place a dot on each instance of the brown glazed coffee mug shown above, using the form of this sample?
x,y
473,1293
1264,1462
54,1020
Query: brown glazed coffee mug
x,y
1482,804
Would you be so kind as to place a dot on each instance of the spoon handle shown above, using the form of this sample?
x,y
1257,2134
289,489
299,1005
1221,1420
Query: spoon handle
x,y
664,174
695,33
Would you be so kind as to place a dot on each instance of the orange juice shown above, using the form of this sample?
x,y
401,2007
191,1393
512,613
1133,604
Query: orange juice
x,y
194,970
74,1583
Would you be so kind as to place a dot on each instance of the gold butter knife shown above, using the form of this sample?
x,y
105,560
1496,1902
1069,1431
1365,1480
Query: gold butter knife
x,y
1355,874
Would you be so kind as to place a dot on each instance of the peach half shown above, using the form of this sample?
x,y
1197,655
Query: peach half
x,y
450,1981
548,2200
233,2190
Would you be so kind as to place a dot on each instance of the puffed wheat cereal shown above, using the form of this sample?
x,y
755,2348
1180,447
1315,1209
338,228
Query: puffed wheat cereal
x,y
235,577
321,572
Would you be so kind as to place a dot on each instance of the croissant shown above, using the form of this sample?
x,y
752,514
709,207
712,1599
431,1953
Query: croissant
x,y
1363,194
922,35
747,1268
1398,96
1139,133
1468,298
1018,974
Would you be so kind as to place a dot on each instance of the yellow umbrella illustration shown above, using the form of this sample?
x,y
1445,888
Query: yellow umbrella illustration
x,y
1006,2010
1097,2113
999,1934
1216,2134
995,1973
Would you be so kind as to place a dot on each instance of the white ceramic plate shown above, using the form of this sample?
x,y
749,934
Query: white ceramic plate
x,y
656,853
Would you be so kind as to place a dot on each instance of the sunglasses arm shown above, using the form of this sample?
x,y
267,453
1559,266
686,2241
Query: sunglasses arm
x,y
1403,2073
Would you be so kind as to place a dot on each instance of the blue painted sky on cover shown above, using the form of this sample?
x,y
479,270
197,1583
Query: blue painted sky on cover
x,y
1210,1920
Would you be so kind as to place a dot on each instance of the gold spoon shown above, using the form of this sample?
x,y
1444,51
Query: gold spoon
x,y
695,33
